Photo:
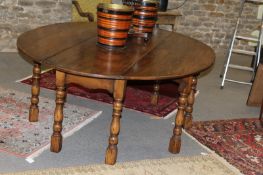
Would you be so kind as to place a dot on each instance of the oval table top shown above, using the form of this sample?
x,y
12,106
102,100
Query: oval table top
x,y
72,48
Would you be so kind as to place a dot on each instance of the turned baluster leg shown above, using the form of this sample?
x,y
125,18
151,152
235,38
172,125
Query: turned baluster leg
x,y
190,102
35,90
155,95
56,138
261,112
118,94
175,141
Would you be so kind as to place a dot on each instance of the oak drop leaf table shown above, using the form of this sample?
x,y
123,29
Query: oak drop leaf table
x,y
71,49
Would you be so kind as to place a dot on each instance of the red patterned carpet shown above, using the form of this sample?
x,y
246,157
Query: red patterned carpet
x,y
137,96
239,141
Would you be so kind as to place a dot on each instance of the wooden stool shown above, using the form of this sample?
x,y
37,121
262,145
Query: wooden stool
x,y
168,18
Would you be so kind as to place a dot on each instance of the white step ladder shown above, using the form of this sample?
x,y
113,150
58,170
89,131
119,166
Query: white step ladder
x,y
231,50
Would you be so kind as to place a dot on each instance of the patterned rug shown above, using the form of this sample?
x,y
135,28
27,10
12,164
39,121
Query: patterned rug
x,y
196,165
24,139
239,141
138,94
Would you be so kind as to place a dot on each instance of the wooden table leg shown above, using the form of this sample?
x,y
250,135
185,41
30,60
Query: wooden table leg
x,y
260,115
184,90
56,138
190,102
118,94
35,90
155,96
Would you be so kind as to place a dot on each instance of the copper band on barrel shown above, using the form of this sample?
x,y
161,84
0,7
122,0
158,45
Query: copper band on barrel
x,y
111,42
113,24
145,13
110,34
114,16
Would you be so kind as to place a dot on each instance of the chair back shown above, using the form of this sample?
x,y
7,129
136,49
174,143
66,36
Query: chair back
x,y
86,6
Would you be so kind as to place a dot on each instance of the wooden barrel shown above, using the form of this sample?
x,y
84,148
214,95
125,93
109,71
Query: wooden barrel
x,y
114,22
145,16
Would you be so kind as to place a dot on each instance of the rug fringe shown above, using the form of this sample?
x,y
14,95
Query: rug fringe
x,y
214,154
30,159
